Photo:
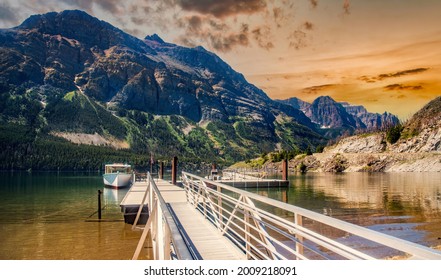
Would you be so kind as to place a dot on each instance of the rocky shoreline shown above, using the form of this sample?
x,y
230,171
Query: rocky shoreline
x,y
372,153
367,162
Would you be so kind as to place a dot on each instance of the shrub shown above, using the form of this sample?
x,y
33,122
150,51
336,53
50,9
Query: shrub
x,y
393,134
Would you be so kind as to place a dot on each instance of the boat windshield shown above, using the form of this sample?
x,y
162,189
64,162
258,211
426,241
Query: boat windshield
x,y
116,169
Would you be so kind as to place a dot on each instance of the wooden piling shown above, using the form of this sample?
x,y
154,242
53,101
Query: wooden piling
x,y
174,169
161,170
285,170
99,204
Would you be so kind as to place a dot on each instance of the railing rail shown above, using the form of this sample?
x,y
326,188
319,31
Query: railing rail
x,y
166,237
255,224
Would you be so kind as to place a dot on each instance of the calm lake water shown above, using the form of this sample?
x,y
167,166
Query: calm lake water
x,y
51,215
404,205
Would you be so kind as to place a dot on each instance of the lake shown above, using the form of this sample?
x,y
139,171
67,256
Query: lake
x,y
404,205
53,215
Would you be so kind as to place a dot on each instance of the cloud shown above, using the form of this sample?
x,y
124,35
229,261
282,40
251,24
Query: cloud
x,y
262,35
402,73
8,14
220,9
299,38
280,16
318,89
395,87
217,34
346,7
308,25
85,5
381,77
113,6
367,79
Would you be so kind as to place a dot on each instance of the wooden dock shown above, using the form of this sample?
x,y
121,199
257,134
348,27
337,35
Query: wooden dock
x,y
207,240
241,180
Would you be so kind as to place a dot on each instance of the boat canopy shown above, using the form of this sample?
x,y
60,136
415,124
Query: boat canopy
x,y
118,167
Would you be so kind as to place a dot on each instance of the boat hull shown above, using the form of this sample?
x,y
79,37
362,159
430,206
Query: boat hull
x,y
117,180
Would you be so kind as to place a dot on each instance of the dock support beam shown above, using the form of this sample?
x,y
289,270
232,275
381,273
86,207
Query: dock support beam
x,y
285,170
161,170
174,169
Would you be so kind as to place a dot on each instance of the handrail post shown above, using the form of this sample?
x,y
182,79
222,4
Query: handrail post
x,y
141,206
298,220
219,207
247,234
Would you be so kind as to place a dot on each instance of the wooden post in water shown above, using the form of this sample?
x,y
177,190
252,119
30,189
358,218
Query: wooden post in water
x,y
99,204
161,170
174,169
285,170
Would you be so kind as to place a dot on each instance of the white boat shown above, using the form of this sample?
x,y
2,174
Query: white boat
x,y
214,175
118,175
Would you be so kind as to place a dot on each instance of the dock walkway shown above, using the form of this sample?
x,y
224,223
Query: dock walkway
x,y
213,221
207,240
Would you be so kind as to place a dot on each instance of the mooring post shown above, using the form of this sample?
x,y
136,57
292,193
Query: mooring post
x,y
161,170
99,204
174,169
285,170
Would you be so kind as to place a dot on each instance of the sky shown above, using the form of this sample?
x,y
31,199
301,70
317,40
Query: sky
x,y
383,54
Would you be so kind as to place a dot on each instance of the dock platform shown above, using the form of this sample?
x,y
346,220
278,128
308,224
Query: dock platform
x,y
240,180
207,240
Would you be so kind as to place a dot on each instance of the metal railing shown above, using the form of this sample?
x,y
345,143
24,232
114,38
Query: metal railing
x,y
268,229
167,239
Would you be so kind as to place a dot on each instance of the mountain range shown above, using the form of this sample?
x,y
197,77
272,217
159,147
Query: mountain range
x,y
69,77
338,118
414,147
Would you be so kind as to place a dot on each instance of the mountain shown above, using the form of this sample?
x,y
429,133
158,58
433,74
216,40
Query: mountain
x,y
370,121
422,132
73,76
341,118
297,103
416,147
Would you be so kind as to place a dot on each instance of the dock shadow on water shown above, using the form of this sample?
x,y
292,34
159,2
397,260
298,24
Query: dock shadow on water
x,y
53,216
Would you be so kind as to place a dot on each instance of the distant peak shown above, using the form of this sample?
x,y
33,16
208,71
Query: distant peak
x,y
155,37
200,48
39,19
324,99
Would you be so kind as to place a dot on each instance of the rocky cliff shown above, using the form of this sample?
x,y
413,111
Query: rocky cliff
x,y
418,148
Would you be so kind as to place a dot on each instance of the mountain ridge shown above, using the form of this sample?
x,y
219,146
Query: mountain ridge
x,y
341,117
69,72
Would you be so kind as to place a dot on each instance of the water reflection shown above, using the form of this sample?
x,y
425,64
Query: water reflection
x,y
405,205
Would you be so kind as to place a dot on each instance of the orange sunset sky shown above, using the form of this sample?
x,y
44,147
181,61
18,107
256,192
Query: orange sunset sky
x,y
383,54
